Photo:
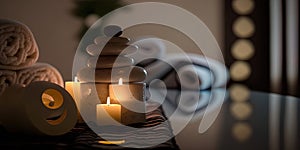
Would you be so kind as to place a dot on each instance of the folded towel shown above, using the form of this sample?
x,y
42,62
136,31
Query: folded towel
x,y
18,48
188,71
7,78
178,70
194,77
39,72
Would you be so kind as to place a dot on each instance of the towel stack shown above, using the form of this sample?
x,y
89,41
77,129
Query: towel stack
x,y
18,57
182,70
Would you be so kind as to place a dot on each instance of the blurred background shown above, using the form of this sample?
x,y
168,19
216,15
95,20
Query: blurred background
x,y
259,42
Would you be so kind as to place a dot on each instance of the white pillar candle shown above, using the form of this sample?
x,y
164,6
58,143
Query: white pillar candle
x,y
73,88
108,114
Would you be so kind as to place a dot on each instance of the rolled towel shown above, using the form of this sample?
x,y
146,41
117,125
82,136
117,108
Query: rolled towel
x,y
178,70
18,48
7,78
189,68
39,72
193,77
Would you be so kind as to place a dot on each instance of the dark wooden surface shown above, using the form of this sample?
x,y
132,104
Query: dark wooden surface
x,y
82,137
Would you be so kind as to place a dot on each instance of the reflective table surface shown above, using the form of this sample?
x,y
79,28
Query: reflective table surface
x,y
217,119
233,119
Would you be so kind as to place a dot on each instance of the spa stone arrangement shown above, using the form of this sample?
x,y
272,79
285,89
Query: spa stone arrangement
x,y
111,81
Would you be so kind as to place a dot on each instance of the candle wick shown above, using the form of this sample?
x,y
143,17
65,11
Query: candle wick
x,y
108,101
120,81
75,79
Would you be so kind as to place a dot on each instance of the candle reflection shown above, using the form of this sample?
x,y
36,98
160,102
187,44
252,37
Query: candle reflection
x,y
241,110
241,131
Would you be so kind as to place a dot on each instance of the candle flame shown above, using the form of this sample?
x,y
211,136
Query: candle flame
x,y
89,91
75,79
120,81
108,101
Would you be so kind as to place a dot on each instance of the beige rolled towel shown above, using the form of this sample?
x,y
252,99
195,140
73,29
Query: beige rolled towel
x,y
7,78
18,48
39,72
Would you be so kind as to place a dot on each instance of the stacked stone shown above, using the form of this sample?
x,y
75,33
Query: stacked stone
x,y
106,67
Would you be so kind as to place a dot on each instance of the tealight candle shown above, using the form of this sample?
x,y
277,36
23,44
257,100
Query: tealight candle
x,y
108,114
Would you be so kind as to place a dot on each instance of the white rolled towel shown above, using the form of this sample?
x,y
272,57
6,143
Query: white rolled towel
x,y
193,77
204,72
178,70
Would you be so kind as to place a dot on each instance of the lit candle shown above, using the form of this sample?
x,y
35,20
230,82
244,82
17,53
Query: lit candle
x,y
126,92
73,88
132,98
108,114
120,81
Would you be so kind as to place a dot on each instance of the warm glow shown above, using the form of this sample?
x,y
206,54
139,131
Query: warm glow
x,y
108,114
48,99
108,101
52,99
112,142
120,81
